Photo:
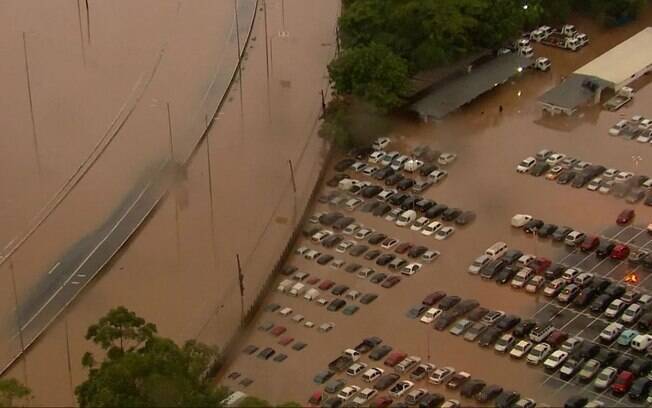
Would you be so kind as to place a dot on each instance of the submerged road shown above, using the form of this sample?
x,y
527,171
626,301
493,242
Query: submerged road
x,y
67,276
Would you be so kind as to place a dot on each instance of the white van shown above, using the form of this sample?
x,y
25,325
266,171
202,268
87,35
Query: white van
x,y
496,250
297,289
284,285
234,399
406,218
311,294
641,342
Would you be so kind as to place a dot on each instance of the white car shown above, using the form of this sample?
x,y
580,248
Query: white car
x,y
347,392
525,165
411,268
311,255
364,396
645,124
389,243
363,233
614,308
519,220
388,158
430,255
399,162
555,360
441,375
610,173
376,156
594,184
358,166
431,228
521,278
444,233
344,246
420,223
611,332
623,176
406,218
446,158
430,315
372,374
369,170
400,388
479,263
320,236
385,195
605,378
644,137
380,143
618,127
352,229
413,165
574,238
555,158
521,349
355,369
437,176
286,311
539,353
504,343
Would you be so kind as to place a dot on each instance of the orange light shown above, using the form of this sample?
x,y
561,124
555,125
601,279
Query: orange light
x,y
631,278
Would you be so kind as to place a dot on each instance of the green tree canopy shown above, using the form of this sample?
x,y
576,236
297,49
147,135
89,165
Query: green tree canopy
x,y
373,73
142,369
12,391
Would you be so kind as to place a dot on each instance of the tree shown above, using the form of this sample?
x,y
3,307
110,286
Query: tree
x,y
12,390
373,73
142,369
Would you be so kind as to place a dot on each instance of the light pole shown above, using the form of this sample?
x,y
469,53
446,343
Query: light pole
x,y
31,108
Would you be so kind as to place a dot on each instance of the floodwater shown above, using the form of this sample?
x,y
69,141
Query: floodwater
x,y
489,144
177,271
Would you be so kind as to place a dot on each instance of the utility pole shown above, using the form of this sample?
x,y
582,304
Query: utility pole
x,y
269,98
237,36
69,361
210,198
31,108
23,356
81,33
294,183
241,283
174,169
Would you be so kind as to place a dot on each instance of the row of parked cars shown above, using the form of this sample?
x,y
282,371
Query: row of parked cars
x,y
568,285
569,170
390,202
376,379
541,344
637,128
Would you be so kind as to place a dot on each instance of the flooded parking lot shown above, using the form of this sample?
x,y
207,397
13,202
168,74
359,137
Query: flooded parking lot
x,y
483,179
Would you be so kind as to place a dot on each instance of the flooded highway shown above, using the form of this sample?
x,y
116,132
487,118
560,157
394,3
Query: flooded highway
x,y
489,145
176,271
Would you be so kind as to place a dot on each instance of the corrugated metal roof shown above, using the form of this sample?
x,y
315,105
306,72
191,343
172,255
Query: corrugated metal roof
x,y
459,91
573,92
621,62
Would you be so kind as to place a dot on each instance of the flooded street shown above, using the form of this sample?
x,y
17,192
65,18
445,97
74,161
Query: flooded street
x,y
176,271
483,179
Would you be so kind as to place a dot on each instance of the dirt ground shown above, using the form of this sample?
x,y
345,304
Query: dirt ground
x,y
489,144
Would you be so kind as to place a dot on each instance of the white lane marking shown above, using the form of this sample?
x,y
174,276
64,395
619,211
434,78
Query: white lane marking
x,y
53,268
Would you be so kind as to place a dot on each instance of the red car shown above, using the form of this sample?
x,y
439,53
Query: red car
x,y
326,285
390,282
277,331
556,338
394,358
540,264
620,252
381,401
625,217
312,281
403,248
433,298
623,383
315,399
590,243
285,340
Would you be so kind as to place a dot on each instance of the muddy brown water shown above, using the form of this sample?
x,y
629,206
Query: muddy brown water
x,y
483,178
187,284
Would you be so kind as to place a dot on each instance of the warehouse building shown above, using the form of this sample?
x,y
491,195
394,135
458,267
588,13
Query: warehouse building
x,y
611,71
